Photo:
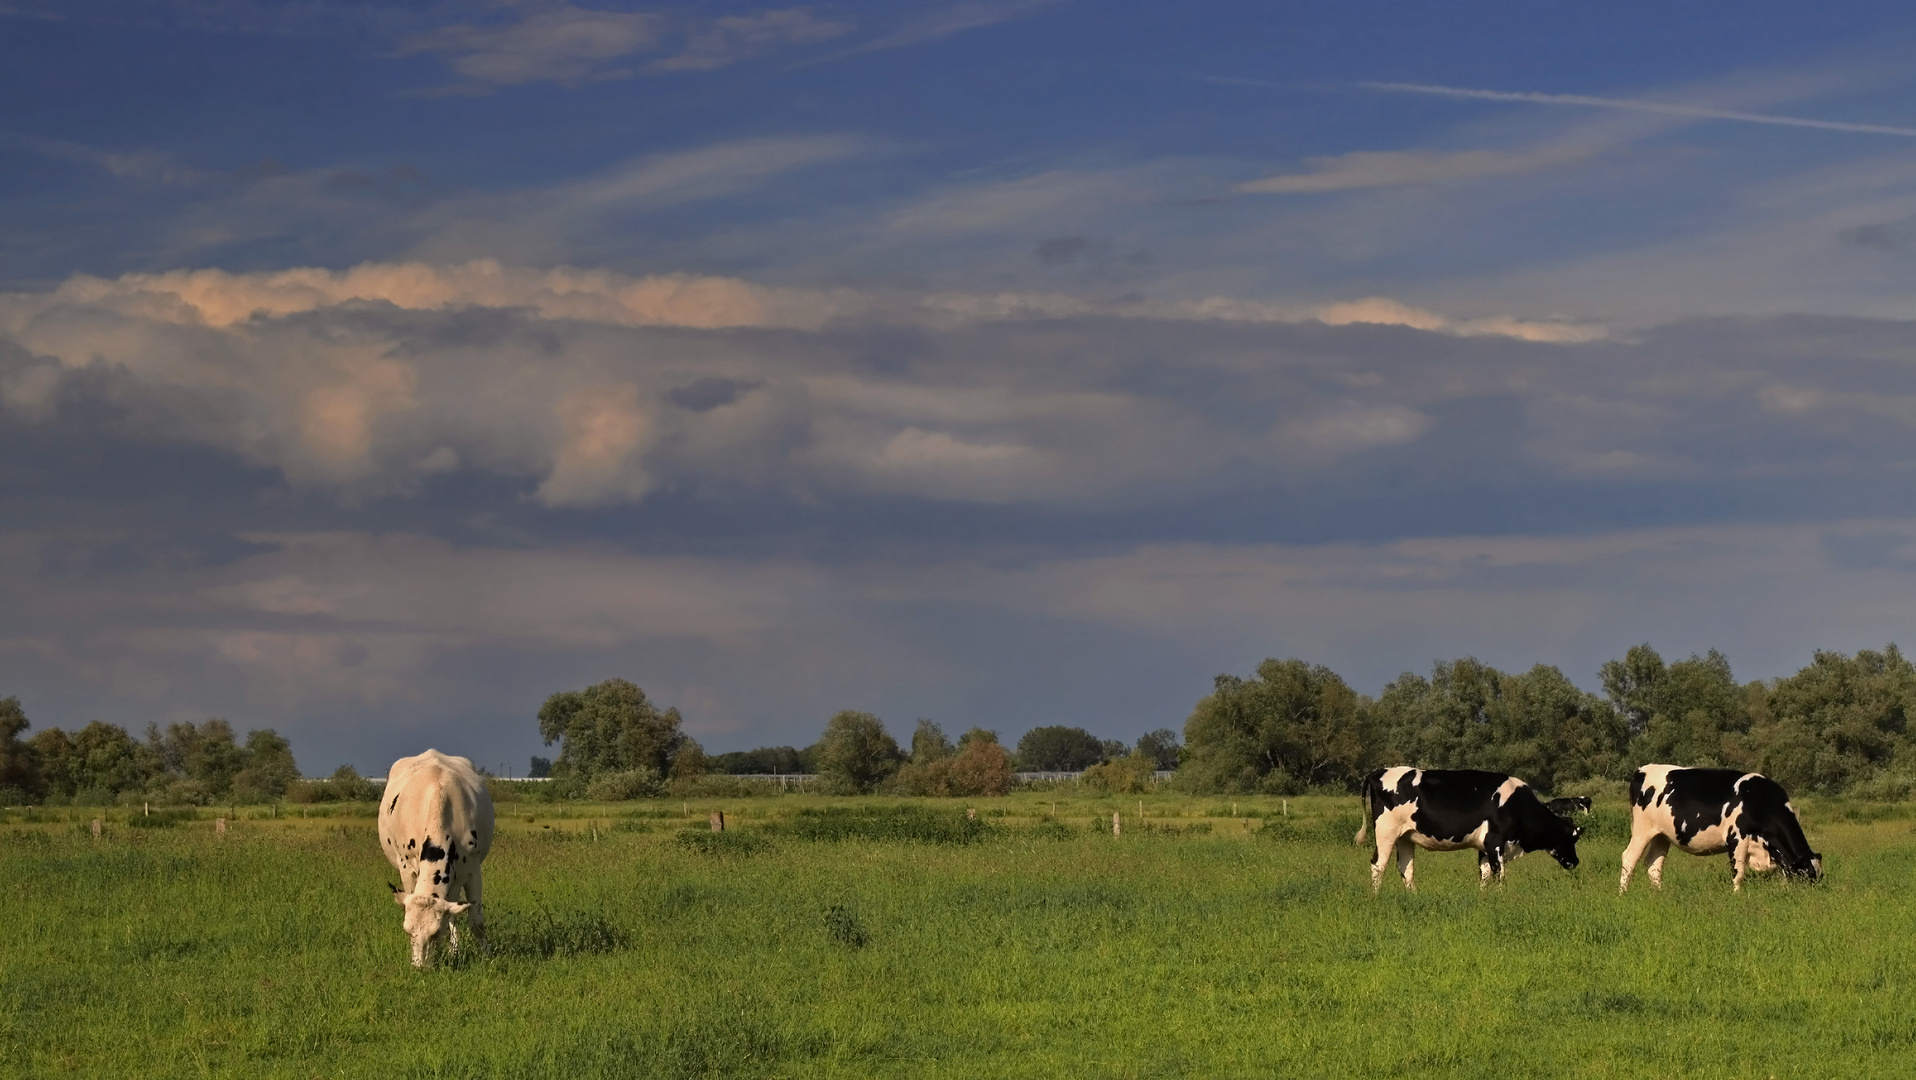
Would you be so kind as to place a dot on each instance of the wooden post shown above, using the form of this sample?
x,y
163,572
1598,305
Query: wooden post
x,y
97,826
146,809
1116,829
1287,808
1233,809
1140,809
718,821
219,826
971,813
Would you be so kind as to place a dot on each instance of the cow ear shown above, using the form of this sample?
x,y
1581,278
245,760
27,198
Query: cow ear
x,y
1576,831
399,898
455,909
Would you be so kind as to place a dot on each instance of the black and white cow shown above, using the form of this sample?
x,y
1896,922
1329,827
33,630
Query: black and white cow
x,y
435,824
1569,807
1711,811
1451,809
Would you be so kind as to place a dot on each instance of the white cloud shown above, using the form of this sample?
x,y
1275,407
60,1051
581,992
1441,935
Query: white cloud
x,y
946,21
1399,168
1665,108
731,38
562,44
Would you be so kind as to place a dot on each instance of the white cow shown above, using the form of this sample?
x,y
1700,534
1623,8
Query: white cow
x,y
435,824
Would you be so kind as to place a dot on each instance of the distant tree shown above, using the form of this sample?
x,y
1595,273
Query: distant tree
x,y
20,766
1633,685
929,744
1698,715
610,727
1468,715
981,766
1056,748
690,761
1290,726
855,753
1162,747
763,761
267,767
104,758
1838,720
53,748
540,768
1128,775
206,755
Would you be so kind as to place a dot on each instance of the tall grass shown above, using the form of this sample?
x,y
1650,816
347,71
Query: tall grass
x,y
1039,946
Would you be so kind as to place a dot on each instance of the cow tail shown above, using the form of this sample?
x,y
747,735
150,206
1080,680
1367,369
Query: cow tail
x,y
1363,819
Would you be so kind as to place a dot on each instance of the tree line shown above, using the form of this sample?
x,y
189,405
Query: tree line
x,y
615,743
196,764
1838,725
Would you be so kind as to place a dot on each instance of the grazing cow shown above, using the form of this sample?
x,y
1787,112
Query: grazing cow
x,y
1452,809
1710,811
435,824
1570,807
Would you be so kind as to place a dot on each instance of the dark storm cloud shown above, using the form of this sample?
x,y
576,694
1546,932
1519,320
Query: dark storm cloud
x,y
372,524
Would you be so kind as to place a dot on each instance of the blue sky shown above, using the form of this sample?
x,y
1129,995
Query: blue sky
x,y
372,371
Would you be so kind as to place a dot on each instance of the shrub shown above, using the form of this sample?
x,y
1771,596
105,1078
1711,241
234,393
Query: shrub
x,y
730,842
640,783
161,819
1126,776
721,786
901,824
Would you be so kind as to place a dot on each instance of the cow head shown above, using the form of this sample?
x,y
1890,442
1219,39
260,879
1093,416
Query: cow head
x,y
1564,849
427,917
1804,866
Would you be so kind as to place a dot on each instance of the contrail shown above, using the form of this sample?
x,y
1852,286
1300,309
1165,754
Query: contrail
x,y
1699,111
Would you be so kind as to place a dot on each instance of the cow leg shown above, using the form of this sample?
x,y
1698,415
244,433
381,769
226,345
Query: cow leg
x,y
1405,852
1739,862
476,914
1490,861
1380,859
1632,853
1659,846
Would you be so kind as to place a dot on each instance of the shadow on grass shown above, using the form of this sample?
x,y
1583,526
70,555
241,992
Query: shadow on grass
x,y
547,935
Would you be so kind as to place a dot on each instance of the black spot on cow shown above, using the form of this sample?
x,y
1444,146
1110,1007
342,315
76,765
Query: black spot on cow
x,y
1707,795
410,844
394,805
432,852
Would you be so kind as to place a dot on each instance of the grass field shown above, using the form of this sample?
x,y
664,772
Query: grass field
x,y
896,938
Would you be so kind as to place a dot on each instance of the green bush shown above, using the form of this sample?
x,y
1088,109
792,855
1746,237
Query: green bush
x,y
730,842
640,783
900,824
161,819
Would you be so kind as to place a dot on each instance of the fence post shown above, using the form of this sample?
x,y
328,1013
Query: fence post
x,y
971,813
146,809
718,821
97,826
1116,829
219,826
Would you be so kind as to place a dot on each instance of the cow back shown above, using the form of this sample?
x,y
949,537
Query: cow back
x,y
435,814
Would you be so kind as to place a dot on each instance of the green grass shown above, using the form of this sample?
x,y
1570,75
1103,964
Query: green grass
x,y
899,938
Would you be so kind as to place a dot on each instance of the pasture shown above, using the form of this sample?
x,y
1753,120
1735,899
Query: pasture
x,y
897,938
